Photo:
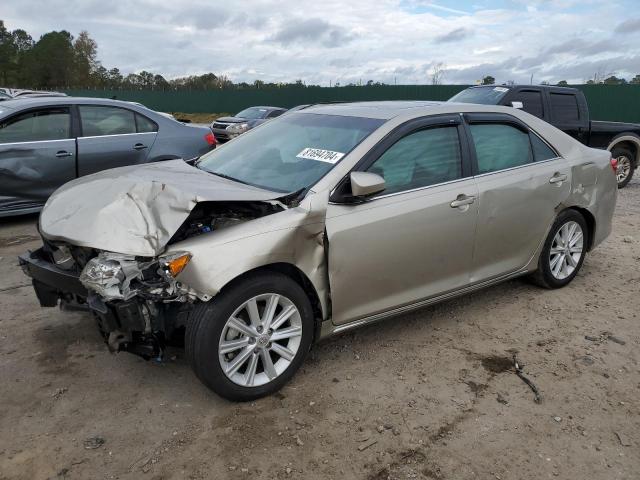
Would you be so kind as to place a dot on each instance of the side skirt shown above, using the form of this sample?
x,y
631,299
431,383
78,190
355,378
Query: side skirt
x,y
329,329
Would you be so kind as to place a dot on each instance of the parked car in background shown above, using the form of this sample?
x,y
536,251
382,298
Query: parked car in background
x,y
226,128
4,96
47,141
320,221
567,109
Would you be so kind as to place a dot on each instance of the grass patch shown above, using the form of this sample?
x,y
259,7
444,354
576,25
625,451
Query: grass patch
x,y
199,117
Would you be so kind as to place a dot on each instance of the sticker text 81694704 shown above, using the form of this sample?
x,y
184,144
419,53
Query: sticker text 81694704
x,y
320,155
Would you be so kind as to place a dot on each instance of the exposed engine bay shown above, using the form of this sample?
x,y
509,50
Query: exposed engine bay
x,y
209,216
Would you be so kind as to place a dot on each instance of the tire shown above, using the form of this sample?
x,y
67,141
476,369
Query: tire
x,y
546,275
259,362
626,165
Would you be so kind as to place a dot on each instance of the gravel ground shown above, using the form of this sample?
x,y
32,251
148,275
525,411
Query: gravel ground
x,y
428,395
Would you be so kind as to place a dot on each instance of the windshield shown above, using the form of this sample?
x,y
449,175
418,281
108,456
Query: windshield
x,y
252,113
289,153
484,95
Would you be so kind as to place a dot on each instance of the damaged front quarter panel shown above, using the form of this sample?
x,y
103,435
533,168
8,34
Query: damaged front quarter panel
x,y
293,236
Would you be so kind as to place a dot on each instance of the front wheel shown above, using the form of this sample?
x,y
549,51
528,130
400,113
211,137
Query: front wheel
x,y
250,339
563,251
626,165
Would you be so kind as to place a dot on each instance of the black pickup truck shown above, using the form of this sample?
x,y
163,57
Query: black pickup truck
x,y
566,109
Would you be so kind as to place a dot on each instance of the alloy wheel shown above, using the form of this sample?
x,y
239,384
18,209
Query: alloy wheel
x,y
624,168
566,250
260,340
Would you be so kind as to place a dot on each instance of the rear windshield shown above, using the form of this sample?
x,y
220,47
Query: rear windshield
x,y
290,152
484,95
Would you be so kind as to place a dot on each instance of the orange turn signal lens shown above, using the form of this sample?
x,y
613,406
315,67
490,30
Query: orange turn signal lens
x,y
176,265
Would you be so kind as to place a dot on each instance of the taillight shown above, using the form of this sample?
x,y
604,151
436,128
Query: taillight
x,y
614,164
210,138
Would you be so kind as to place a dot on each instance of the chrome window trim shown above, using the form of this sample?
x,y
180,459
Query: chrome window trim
x,y
39,141
532,164
118,135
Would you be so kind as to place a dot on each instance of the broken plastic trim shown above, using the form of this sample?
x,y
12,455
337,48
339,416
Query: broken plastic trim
x,y
114,276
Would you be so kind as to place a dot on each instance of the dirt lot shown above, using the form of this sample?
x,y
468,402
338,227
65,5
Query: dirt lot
x,y
427,395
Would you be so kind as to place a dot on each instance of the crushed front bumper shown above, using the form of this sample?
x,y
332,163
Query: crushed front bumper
x,y
49,281
133,325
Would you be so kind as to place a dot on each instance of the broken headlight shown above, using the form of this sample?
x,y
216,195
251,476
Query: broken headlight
x,y
110,275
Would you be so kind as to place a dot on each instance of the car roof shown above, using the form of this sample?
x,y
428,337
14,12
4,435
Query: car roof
x,y
265,107
384,110
22,102
555,87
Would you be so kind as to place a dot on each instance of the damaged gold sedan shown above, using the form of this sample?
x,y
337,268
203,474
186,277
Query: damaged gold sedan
x,y
325,219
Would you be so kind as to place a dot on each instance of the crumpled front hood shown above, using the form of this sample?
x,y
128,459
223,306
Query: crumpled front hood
x,y
136,209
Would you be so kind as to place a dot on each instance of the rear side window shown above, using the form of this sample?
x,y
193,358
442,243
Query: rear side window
x,y
145,125
275,113
531,102
564,108
420,159
39,125
541,151
500,146
99,121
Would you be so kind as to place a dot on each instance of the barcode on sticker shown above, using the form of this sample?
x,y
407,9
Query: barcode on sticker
x,y
321,155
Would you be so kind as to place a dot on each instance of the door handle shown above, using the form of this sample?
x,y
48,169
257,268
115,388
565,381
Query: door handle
x,y
558,178
462,201
64,153
139,146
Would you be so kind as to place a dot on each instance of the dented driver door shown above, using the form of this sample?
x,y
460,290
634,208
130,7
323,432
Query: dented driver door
x,y
36,157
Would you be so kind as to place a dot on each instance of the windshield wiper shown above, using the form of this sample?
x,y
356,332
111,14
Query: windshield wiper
x,y
228,177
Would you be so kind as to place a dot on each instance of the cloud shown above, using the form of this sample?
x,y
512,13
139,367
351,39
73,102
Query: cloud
x,y
454,35
628,26
311,31
393,40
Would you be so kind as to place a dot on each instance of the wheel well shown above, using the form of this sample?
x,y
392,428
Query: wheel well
x,y
631,146
591,224
299,277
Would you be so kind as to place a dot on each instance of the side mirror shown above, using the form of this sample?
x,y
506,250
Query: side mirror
x,y
366,183
517,105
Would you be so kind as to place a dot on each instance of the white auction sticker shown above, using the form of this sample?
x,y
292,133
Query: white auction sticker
x,y
500,89
321,155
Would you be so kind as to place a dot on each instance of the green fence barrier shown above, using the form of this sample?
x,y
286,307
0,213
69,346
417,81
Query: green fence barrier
x,y
607,102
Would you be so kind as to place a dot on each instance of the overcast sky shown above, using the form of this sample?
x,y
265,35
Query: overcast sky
x,y
320,41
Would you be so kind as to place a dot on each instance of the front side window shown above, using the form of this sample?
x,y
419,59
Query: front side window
x,y
531,102
422,158
100,120
39,125
500,146
290,152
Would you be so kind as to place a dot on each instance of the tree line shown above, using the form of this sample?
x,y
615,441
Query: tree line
x,y
57,60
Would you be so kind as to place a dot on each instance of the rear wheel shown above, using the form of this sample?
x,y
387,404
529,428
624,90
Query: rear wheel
x,y
563,251
626,165
250,339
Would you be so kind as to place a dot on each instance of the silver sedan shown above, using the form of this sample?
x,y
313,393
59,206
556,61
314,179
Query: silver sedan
x,y
320,221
